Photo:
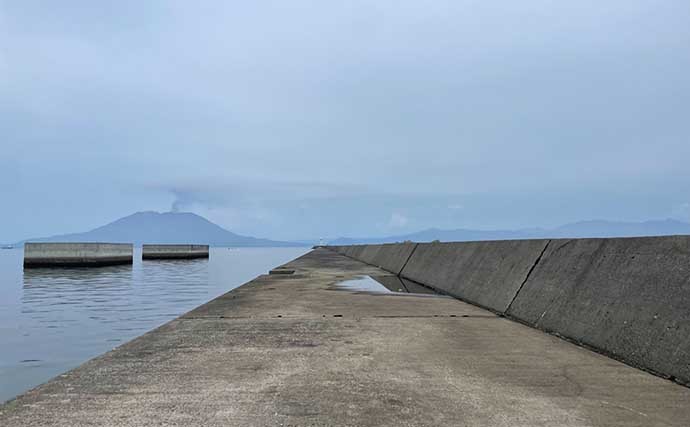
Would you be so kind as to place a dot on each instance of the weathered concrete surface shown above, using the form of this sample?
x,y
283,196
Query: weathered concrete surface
x,y
627,297
390,257
488,274
76,254
295,350
174,251
354,251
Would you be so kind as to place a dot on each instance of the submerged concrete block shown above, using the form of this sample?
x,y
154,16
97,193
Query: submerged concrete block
x,y
76,254
487,273
174,251
628,297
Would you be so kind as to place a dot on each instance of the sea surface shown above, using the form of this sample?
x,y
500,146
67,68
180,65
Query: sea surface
x,y
52,320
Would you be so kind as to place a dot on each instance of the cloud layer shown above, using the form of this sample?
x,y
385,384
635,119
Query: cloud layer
x,y
308,118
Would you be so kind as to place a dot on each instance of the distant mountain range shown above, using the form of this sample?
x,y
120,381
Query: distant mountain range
x,y
578,229
185,227
169,227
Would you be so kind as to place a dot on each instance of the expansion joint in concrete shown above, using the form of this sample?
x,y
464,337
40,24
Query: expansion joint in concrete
x,y
531,269
408,259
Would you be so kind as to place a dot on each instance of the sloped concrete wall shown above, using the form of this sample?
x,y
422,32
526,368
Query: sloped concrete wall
x,y
629,298
625,297
391,256
351,251
488,274
76,254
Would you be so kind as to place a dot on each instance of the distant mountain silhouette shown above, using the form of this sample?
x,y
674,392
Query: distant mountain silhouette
x,y
578,229
169,227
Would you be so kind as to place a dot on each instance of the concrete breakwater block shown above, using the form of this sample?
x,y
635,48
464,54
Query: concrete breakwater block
x,y
174,251
76,254
391,257
487,273
628,297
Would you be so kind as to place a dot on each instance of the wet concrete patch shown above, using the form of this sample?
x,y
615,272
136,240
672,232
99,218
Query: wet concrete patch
x,y
365,284
386,284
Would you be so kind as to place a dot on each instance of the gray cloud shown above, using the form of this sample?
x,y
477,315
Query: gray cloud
x,y
311,117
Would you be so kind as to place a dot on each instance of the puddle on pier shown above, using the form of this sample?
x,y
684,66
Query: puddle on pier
x,y
386,285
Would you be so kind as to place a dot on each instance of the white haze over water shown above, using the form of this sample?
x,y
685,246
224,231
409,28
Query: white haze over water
x,y
305,119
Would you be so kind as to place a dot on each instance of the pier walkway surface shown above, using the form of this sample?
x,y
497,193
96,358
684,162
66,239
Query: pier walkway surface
x,y
297,350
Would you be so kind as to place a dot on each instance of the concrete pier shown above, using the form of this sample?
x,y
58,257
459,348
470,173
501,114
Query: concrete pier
x,y
297,350
76,254
174,251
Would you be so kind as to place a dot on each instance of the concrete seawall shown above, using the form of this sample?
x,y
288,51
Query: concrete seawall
x,y
174,251
488,274
76,254
303,350
390,257
628,298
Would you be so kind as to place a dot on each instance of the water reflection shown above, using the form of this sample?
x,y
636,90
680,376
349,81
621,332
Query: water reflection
x,y
54,319
46,291
108,300
385,284
76,274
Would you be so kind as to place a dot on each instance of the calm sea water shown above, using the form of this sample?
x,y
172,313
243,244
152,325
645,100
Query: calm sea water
x,y
52,320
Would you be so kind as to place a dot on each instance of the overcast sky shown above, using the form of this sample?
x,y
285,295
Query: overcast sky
x,y
299,119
